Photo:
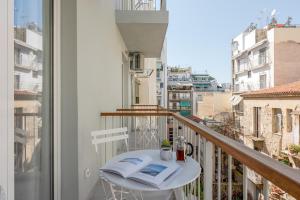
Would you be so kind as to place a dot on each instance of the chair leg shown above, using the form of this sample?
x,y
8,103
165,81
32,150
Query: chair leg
x,y
112,192
105,194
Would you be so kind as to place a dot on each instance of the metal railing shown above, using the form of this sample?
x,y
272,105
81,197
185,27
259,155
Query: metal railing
x,y
226,163
27,138
140,5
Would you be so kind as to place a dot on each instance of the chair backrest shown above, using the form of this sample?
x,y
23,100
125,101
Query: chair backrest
x,y
109,135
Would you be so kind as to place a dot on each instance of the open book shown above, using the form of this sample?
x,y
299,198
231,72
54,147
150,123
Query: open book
x,y
143,169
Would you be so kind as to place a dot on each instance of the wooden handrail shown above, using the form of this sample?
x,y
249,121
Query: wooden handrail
x,y
137,105
281,175
140,109
136,113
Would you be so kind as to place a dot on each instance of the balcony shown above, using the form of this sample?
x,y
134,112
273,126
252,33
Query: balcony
x,y
142,25
226,163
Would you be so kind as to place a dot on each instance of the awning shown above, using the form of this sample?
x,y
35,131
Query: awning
x,y
236,99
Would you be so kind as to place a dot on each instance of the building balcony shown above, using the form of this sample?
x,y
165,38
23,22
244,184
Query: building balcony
x,y
142,25
224,161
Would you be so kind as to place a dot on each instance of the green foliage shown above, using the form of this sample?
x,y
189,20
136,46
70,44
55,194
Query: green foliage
x,y
285,161
295,148
165,144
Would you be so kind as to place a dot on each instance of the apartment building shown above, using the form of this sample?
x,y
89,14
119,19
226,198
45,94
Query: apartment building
x,y
263,58
271,124
162,78
271,118
180,90
205,83
161,84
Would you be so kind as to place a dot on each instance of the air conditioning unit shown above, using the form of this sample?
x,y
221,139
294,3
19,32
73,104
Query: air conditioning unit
x,y
136,61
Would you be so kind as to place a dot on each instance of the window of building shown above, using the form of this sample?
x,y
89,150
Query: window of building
x,y
289,120
17,82
262,81
18,117
249,74
200,98
35,74
262,59
33,118
237,88
161,85
257,121
276,120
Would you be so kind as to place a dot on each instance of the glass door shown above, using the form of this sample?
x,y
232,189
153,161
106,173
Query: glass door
x,y
33,124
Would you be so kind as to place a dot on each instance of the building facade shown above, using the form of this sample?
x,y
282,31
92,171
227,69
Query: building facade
x,y
205,83
213,105
162,78
180,90
263,58
271,117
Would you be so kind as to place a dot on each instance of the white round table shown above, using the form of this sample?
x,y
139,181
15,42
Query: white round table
x,y
190,170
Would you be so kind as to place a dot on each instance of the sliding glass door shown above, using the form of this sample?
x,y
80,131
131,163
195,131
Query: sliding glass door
x,y
33,114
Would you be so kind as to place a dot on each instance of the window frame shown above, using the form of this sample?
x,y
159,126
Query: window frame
x,y
289,120
7,58
7,98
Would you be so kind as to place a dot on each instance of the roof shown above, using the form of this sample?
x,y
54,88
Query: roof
x,y
287,90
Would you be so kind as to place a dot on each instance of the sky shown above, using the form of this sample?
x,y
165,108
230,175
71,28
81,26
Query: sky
x,y
200,31
28,11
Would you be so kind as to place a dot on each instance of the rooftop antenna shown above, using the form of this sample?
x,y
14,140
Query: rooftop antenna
x,y
273,17
273,13
289,21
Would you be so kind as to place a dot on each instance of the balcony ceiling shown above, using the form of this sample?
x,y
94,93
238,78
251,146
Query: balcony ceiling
x,y
143,31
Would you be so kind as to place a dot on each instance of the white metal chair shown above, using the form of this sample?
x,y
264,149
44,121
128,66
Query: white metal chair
x,y
104,137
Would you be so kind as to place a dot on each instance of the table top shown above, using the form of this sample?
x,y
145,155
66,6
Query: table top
x,y
190,170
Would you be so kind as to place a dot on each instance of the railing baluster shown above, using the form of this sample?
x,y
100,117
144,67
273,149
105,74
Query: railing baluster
x,y
229,177
105,125
112,144
219,173
265,189
245,183
199,160
134,125
208,169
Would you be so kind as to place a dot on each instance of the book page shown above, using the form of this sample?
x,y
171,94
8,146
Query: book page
x,y
126,166
155,173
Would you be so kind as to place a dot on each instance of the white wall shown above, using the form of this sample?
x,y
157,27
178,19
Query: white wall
x,y
99,78
249,84
148,85
250,39
34,39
